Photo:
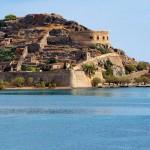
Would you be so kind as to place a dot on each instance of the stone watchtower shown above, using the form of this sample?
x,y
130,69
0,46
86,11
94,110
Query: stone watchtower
x,y
91,37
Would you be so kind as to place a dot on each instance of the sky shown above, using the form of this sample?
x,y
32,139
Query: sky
x,y
128,21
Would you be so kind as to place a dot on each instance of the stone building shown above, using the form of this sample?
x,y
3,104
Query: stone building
x,y
91,37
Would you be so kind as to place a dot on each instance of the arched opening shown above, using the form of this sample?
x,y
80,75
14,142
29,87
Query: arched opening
x,y
107,38
97,37
76,29
103,37
91,37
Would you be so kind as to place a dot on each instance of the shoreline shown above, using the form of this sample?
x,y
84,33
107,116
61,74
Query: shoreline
x,y
70,88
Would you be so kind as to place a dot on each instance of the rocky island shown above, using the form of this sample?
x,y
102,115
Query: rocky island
x,y
46,50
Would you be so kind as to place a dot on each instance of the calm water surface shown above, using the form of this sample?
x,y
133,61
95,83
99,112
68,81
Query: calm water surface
x,y
83,119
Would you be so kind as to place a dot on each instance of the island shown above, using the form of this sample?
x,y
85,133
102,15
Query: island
x,y
49,51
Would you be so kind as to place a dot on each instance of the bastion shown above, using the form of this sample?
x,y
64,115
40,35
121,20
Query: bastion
x,y
90,37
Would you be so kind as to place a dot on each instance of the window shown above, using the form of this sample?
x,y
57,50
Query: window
x,y
107,38
97,37
103,37
91,37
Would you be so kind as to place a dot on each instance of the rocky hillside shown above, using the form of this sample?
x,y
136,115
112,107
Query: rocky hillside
x,y
42,42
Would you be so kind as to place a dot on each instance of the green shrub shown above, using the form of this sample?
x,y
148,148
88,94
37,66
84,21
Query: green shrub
x,y
32,69
50,85
19,81
130,68
142,66
112,79
52,61
30,81
123,80
7,54
142,79
2,24
43,84
2,85
89,69
10,17
53,85
96,81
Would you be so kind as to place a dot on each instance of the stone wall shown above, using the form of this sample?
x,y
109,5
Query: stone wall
x,y
90,37
60,77
79,80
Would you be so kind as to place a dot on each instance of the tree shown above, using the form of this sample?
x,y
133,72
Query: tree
x,y
146,80
96,81
108,67
10,17
142,80
19,81
143,66
112,79
89,69
130,68
123,80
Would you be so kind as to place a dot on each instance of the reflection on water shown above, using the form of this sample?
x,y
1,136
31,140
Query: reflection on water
x,y
104,111
110,92
85,111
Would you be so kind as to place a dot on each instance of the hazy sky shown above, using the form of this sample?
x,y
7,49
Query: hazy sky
x,y
127,20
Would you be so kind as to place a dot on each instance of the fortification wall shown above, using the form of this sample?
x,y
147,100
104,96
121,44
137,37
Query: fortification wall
x,y
79,80
90,37
60,77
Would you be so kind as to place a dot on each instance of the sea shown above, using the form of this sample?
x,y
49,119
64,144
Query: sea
x,y
78,119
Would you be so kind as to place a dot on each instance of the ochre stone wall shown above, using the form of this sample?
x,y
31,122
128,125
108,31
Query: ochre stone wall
x,y
91,37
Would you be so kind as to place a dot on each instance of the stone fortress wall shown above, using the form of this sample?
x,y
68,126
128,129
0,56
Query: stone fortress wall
x,y
91,37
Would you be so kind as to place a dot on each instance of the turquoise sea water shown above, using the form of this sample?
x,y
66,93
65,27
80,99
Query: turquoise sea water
x,y
83,119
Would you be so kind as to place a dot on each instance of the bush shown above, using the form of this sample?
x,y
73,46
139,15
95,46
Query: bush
x,y
130,68
30,81
2,24
96,81
19,81
123,80
52,61
29,68
112,79
10,17
89,69
142,80
43,84
142,66
32,69
50,85
53,85
6,54
2,85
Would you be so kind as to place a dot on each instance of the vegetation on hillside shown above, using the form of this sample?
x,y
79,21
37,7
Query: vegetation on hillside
x,y
7,54
89,69
10,17
2,24
96,81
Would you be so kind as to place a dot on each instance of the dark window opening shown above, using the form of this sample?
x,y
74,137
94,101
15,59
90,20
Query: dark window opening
x,y
91,37
103,37
97,37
